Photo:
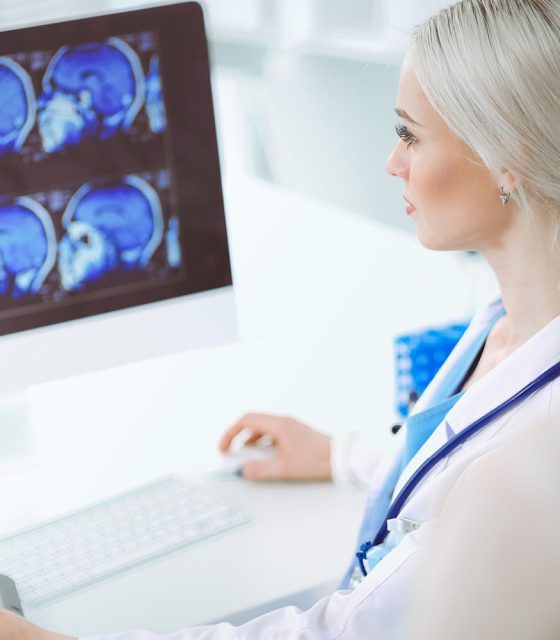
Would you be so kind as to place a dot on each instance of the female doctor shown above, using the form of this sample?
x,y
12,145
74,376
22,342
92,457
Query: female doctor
x,y
479,159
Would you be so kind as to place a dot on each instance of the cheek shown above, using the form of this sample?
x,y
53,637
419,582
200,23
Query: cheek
x,y
455,202
436,183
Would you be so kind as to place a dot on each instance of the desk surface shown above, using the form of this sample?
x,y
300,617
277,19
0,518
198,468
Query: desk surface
x,y
266,560
321,293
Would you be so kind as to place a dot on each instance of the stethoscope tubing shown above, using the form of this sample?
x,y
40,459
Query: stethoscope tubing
x,y
398,503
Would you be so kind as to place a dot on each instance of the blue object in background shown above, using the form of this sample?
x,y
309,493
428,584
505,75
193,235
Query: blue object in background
x,y
418,357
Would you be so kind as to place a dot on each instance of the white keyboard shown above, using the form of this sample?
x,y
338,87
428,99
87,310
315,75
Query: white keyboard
x,y
83,548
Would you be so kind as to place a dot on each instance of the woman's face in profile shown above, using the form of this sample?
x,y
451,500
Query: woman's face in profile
x,y
455,198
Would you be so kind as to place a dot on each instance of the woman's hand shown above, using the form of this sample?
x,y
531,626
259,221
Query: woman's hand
x,y
14,627
302,453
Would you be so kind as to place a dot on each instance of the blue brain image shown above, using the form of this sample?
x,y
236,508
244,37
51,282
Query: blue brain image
x,y
155,107
91,90
18,105
27,246
108,227
173,243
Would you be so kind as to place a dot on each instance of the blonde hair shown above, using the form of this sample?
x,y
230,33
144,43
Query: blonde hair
x,y
491,70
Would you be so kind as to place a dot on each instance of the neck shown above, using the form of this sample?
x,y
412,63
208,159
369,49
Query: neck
x,y
528,275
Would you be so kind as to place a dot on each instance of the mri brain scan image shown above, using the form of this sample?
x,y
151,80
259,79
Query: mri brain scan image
x,y
173,244
27,246
91,90
88,208
18,105
155,107
109,227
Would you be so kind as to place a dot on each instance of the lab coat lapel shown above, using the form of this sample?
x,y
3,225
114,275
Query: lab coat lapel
x,y
501,383
436,390
520,368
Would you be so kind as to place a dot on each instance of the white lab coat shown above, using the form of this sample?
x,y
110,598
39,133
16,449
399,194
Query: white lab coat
x,y
378,607
509,568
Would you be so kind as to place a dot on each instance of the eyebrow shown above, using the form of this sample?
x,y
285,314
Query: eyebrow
x,y
404,115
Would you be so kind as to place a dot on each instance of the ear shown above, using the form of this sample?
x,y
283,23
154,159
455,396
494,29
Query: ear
x,y
508,181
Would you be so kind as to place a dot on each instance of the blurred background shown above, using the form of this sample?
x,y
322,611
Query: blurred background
x,y
304,89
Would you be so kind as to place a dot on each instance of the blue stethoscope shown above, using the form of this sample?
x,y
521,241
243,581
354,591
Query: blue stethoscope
x,y
548,376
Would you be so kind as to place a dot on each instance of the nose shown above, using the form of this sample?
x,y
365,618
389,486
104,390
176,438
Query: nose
x,y
397,162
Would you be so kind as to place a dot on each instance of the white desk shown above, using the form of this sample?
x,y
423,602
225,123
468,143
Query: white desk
x,y
321,293
264,561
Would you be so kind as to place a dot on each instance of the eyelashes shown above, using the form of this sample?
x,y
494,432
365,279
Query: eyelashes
x,y
405,135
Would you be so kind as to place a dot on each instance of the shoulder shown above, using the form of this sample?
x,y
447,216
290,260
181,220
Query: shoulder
x,y
505,505
525,461
495,549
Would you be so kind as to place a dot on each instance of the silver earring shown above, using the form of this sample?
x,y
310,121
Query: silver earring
x,y
504,197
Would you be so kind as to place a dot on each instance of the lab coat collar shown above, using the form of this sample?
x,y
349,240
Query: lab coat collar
x,y
512,374
516,371
478,325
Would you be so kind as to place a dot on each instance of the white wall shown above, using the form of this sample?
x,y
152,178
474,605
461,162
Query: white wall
x,y
312,84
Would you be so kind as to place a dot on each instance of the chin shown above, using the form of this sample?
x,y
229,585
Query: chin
x,y
439,243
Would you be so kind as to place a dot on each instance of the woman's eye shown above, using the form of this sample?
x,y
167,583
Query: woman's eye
x,y
404,134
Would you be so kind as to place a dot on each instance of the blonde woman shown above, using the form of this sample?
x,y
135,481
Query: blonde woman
x,y
479,161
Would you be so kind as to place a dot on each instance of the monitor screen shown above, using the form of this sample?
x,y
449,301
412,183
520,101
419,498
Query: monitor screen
x,y
110,192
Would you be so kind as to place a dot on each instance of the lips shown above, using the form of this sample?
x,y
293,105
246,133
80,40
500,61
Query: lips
x,y
410,207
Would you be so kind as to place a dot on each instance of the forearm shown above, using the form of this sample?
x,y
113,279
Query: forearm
x,y
14,627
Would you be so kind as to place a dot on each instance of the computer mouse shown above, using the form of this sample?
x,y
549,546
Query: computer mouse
x,y
232,462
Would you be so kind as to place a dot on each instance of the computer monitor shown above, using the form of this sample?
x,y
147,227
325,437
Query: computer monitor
x,y
113,243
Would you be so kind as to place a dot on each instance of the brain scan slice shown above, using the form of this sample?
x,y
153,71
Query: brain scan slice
x,y
108,227
173,244
155,107
27,246
91,90
18,106
86,92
